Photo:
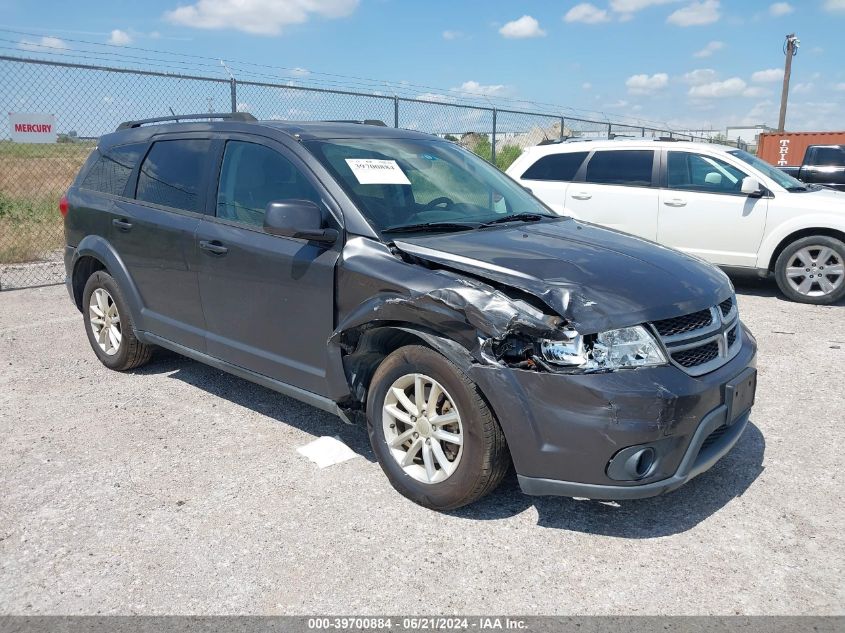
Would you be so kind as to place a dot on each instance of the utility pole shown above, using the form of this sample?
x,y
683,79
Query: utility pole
x,y
790,49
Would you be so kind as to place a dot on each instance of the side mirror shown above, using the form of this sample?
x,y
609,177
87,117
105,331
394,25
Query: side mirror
x,y
297,218
751,186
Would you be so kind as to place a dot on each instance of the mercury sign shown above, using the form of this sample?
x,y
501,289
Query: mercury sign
x,y
32,128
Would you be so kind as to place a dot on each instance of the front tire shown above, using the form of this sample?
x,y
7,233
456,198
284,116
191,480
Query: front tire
x,y
109,325
433,433
812,270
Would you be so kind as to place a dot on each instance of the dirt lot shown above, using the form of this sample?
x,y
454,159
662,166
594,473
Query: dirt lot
x,y
178,489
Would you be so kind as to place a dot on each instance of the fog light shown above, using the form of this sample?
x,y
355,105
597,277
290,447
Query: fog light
x,y
639,464
633,463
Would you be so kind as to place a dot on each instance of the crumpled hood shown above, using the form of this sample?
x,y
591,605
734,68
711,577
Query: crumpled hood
x,y
596,278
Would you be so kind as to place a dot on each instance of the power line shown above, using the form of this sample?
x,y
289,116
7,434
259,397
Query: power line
x,y
400,88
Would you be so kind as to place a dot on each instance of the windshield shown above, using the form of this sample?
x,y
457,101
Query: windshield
x,y
784,180
402,185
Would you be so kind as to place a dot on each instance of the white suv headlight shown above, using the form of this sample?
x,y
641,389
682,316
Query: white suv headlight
x,y
615,349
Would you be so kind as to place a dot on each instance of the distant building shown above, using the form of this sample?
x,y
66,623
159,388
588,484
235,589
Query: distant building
x,y
748,133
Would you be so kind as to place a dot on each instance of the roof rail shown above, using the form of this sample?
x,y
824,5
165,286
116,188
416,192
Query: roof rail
x,y
231,116
364,122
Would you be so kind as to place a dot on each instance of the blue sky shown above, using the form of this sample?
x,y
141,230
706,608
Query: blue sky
x,y
701,63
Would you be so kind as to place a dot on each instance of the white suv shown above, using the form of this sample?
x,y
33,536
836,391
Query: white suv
x,y
719,203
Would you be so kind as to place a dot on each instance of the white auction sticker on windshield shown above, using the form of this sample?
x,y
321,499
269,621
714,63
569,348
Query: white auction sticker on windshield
x,y
371,171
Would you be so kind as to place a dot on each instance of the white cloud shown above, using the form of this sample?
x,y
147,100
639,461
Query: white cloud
x,y
452,35
700,76
434,96
643,84
243,107
708,50
47,43
834,5
803,88
840,87
120,38
616,104
523,28
770,75
755,91
260,17
733,87
300,72
780,8
696,14
632,6
586,13
481,90
586,86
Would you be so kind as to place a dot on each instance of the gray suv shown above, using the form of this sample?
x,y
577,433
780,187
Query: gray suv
x,y
401,282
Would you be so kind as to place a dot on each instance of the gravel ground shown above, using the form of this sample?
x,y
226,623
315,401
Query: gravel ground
x,y
178,489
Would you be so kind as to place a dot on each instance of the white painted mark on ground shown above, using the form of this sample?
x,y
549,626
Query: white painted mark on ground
x,y
326,451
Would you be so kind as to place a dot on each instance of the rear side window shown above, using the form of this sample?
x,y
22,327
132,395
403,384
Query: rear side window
x,y
561,167
829,157
172,174
621,167
110,172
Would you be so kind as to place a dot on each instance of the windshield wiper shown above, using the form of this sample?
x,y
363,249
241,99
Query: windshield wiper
x,y
797,188
429,226
516,217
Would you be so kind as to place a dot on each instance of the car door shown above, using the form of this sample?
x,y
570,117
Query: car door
x,y
153,232
549,177
268,300
617,189
703,211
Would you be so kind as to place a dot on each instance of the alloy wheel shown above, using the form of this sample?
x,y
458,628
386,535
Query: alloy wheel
x,y
105,321
815,271
422,427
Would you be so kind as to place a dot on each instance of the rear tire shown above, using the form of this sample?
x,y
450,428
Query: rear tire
x,y
454,451
109,326
812,270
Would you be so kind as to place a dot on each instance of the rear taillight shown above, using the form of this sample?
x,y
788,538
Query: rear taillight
x,y
63,206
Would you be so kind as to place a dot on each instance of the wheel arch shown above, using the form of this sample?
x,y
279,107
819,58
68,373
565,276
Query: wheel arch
x,y
95,253
799,234
374,344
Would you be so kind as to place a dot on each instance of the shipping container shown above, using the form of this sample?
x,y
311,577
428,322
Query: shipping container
x,y
786,149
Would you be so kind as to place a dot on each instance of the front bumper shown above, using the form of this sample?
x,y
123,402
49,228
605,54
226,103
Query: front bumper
x,y
564,429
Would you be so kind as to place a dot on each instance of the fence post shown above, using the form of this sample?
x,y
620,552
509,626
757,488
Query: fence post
x,y
493,143
643,131
395,111
609,130
562,125
234,91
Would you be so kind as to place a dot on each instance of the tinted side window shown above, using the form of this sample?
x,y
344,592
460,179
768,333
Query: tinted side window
x,y
829,157
621,167
556,167
252,176
172,174
111,171
697,172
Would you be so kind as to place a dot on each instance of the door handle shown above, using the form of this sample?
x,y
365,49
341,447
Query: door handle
x,y
675,202
213,247
123,224
582,196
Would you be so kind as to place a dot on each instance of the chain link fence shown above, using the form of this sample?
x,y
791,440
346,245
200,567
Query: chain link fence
x,y
88,101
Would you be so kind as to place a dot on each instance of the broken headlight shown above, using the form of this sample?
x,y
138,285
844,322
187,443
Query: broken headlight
x,y
615,349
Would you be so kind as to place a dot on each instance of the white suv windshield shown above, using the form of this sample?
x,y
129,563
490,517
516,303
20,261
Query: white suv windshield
x,y
400,183
784,180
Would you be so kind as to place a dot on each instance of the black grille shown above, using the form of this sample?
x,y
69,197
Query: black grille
x,y
713,437
686,323
726,306
732,336
697,355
